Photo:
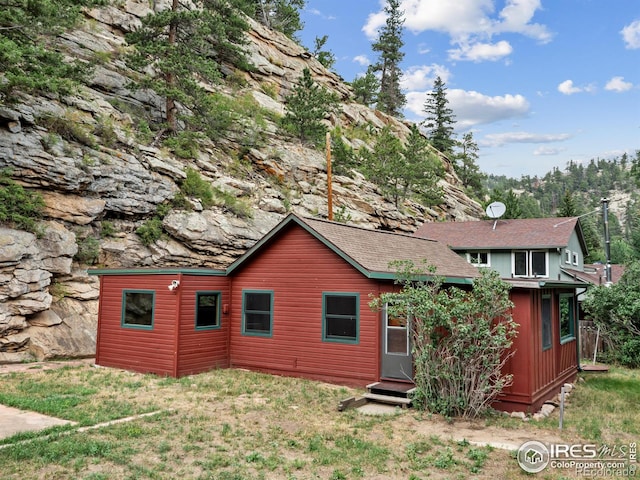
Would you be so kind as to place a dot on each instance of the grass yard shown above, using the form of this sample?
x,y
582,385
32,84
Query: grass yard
x,y
233,425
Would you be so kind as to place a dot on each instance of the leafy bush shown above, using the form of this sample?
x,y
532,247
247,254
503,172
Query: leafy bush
x,y
195,186
88,250
616,310
460,338
19,208
150,232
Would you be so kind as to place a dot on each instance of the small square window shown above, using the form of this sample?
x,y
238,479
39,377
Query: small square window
x,y
478,259
576,258
567,256
138,308
340,317
207,310
257,312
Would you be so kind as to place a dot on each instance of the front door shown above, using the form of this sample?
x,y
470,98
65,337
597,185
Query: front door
x,y
396,348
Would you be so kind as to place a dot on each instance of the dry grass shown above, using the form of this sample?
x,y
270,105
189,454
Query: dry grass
x,y
232,425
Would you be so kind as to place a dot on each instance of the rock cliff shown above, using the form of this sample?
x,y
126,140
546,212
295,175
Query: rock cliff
x,y
100,182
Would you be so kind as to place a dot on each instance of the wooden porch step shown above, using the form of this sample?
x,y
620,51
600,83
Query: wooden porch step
x,y
390,399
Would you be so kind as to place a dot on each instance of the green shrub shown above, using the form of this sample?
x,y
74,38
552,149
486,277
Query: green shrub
x,y
18,207
195,186
150,231
184,144
88,250
107,229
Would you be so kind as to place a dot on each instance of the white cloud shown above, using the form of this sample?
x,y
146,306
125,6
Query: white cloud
x,y
568,88
473,108
362,60
617,84
479,52
469,24
548,151
631,35
500,139
422,77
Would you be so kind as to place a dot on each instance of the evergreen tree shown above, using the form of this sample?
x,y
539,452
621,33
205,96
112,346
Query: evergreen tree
x,y
27,60
280,15
184,46
567,206
422,169
466,167
391,100
384,165
365,88
307,107
439,119
325,57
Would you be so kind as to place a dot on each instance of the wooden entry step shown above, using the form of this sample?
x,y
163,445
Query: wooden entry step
x,y
388,392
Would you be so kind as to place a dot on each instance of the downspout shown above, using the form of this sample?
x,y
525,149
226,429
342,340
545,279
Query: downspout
x,y
577,325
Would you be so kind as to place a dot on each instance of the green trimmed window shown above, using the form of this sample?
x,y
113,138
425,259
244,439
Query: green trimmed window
x,y
257,312
546,322
567,317
340,317
207,310
138,308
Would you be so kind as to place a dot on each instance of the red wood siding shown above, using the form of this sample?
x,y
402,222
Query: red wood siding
x,y
201,350
538,374
298,269
141,350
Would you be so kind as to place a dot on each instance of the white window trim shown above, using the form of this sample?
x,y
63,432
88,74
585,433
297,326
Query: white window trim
x,y
528,268
576,258
567,256
488,264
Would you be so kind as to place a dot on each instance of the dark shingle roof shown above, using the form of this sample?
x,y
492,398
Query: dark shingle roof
x,y
507,234
371,251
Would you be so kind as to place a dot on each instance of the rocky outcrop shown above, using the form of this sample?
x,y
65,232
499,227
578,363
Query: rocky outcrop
x,y
100,182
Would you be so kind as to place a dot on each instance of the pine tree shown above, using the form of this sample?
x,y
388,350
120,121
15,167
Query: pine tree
x,y
27,60
365,88
422,169
307,107
280,15
391,100
185,46
440,119
325,57
385,165
466,167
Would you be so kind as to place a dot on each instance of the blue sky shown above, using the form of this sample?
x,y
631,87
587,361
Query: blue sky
x,y
538,82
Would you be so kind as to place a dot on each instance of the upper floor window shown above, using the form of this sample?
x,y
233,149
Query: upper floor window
x,y
478,259
530,263
567,255
576,258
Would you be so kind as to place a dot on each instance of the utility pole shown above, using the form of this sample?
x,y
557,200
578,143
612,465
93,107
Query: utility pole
x,y
607,241
329,181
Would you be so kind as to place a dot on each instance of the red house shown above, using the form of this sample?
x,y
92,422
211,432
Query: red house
x,y
543,261
294,304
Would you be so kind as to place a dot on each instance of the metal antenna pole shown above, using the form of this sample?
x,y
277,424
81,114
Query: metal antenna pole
x,y
607,241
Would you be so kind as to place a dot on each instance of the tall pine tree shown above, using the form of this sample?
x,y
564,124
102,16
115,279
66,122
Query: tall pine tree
x,y
179,47
391,100
28,60
439,119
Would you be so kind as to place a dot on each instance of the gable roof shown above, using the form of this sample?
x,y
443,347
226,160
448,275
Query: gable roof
x,y
520,233
371,251
595,274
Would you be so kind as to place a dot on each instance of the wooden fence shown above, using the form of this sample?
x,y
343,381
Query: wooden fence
x,y
588,337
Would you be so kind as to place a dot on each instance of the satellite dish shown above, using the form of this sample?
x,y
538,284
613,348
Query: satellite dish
x,y
496,209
